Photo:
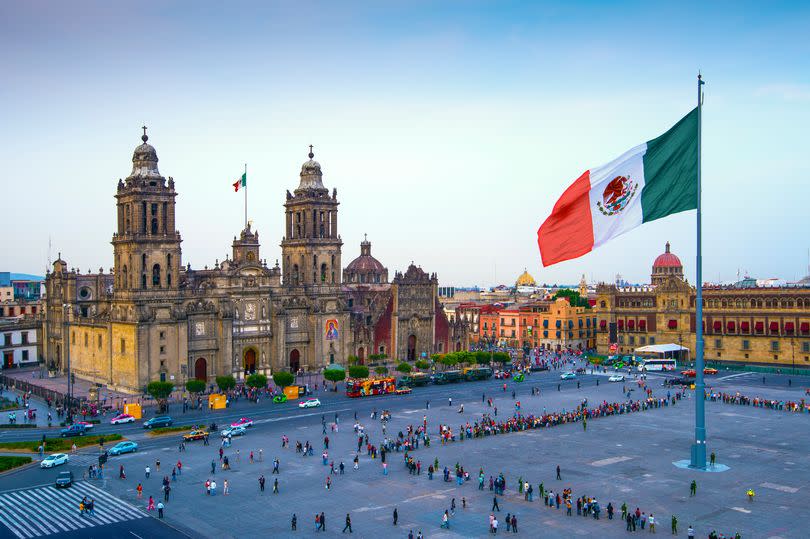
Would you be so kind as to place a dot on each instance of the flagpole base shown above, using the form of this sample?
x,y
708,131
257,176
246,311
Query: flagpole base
x,y
698,457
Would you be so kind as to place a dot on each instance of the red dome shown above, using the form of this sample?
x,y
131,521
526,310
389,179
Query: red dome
x,y
667,260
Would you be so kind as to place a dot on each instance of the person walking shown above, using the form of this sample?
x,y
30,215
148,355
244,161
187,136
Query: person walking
x,y
495,506
140,490
160,509
396,516
712,458
294,523
275,485
225,488
690,532
693,488
261,483
651,522
674,525
147,471
514,523
445,520
348,524
559,478
323,522
166,490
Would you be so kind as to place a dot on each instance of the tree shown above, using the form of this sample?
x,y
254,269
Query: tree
x,y
334,375
256,381
448,360
573,298
160,391
381,370
226,382
195,386
283,378
352,360
481,357
421,364
404,368
501,357
358,371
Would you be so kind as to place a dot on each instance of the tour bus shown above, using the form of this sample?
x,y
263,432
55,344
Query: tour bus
x,y
650,365
415,379
477,373
366,387
447,377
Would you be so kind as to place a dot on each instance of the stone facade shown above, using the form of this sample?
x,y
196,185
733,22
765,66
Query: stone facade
x,y
152,318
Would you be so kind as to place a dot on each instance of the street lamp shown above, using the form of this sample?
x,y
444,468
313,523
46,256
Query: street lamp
x,y
793,354
66,341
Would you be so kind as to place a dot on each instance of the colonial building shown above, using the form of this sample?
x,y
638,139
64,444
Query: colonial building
x,y
742,322
153,318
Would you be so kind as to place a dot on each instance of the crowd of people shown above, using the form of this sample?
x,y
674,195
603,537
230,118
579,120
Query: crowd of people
x,y
800,406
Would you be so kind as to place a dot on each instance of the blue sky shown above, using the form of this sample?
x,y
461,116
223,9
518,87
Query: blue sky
x,y
449,129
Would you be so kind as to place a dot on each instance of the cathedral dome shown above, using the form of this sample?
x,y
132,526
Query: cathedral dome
x,y
145,160
365,268
667,260
311,175
525,279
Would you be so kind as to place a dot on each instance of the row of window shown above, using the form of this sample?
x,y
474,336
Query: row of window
x,y
7,341
642,340
11,310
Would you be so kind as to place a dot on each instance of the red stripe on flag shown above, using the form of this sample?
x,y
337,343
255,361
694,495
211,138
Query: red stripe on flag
x,y
236,185
568,231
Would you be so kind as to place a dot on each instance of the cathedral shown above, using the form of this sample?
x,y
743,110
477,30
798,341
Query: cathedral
x,y
152,318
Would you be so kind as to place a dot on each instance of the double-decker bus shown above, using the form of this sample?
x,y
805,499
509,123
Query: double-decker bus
x,y
366,387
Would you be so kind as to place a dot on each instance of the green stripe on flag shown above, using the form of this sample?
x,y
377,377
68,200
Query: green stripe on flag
x,y
244,179
670,171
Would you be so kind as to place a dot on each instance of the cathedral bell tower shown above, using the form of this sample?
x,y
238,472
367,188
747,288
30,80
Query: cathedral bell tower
x,y
311,245
146,244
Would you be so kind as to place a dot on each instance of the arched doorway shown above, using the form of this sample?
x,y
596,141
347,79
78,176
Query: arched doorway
x,y
201,369
295,360
458,347
411,347
361,356
249,361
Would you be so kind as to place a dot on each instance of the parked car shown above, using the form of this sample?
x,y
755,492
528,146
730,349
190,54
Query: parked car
x,y
73,430
197,434
616,378
123,447
243,422
64,479
309,403
403,390
57,459
233,431
568,376
122,418
159,421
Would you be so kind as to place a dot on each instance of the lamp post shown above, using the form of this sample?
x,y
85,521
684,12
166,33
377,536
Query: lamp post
x,y
793,354
65,320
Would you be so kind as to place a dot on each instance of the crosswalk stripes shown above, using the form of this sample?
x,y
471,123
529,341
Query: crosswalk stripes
x,y
48,510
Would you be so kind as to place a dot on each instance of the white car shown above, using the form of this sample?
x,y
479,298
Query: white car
x,y
122,418
233,431
54,460
568,376
616,378
309,403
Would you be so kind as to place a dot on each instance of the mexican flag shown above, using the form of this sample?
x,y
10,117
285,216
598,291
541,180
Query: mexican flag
x,y
652,180
241,182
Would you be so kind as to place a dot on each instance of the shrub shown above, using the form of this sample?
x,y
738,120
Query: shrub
x,y
7,463
358,371
168,430
283,378
59,444
404,368
195,386
421,364
381,370
256,381
224,383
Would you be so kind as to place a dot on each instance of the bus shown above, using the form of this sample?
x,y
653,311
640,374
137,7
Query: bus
x,y
447,377
650,365
366,387
477,373
414,379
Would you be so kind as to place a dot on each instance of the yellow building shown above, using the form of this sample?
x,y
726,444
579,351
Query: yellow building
x,y
743,323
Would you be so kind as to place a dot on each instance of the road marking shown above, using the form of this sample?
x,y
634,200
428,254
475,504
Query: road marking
x,y
609,461
737,375
406,500
780,488
741,510
136,535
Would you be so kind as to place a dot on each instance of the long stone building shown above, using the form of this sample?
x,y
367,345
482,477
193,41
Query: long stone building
x,y
153,318
742,323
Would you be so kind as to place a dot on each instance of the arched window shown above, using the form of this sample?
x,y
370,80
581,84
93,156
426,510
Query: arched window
x,y
168,262
294,277
168,279
156,276
143,262
323,273
143,280
314,261
125,277
154,226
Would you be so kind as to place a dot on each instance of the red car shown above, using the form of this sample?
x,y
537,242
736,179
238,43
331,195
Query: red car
x,y
243,422
87,424
691,373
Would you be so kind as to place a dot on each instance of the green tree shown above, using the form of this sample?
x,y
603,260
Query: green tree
x,y
257,381
448,360
352,360
573,298
420,364
481,357
195,386
437,358
501,357
404,368
334,375
358,371
381,370
160,391
283,378
226,382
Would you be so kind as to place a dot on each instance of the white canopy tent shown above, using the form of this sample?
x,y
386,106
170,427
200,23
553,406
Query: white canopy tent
x,y
663,350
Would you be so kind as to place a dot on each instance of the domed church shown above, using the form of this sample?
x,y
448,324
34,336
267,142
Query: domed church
x,y
150,317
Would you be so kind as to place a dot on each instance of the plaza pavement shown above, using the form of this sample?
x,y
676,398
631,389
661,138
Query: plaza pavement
x,y
618,459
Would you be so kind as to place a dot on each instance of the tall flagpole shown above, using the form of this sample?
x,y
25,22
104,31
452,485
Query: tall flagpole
x,y
698,459
246,219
